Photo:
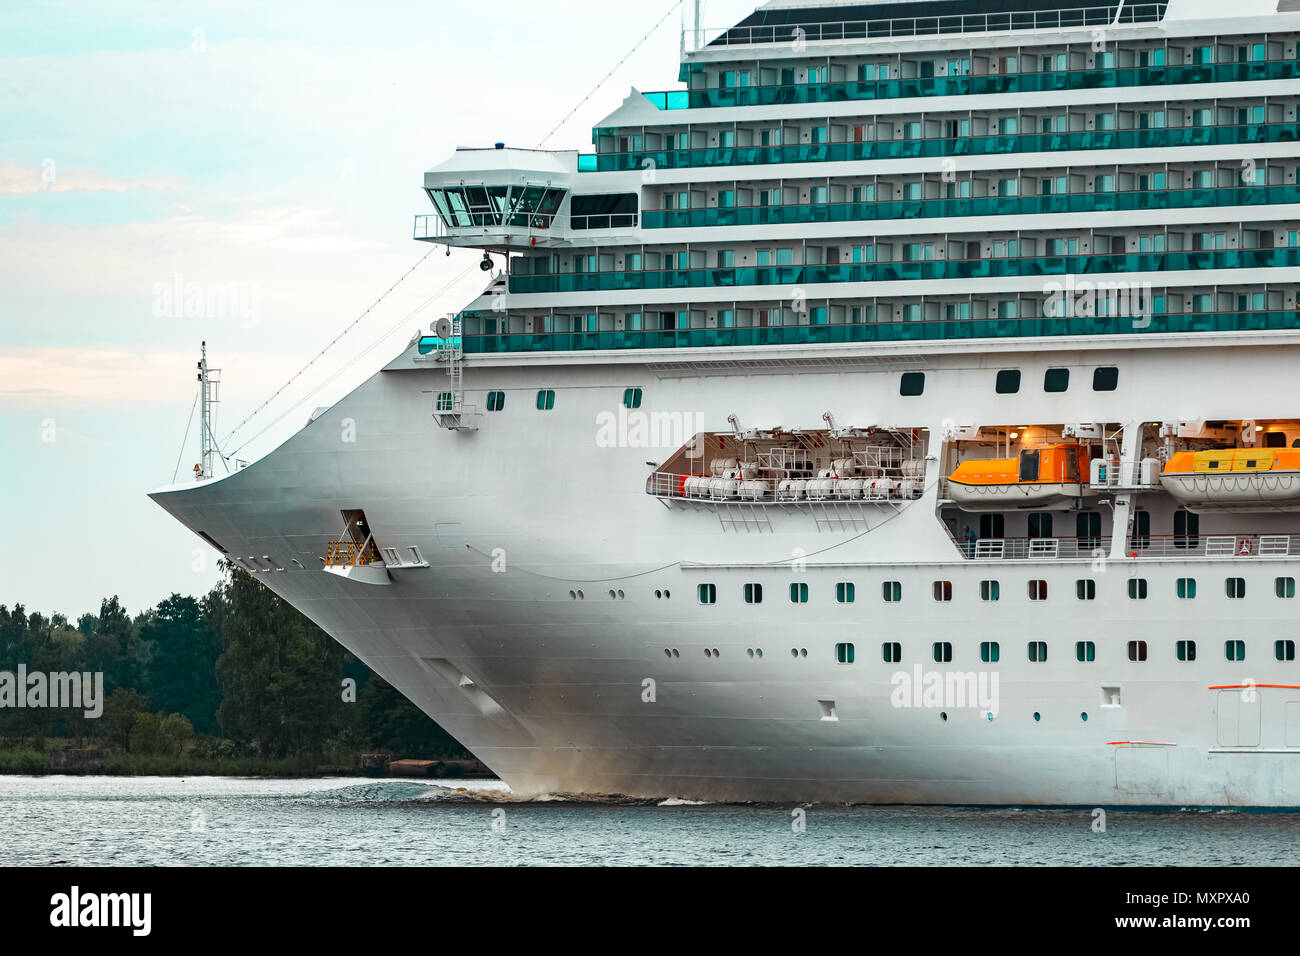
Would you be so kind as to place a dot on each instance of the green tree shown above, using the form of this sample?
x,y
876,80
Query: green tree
x,y
121,710
183,652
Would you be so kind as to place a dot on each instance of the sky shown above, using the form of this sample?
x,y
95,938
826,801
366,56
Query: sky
x,y
270,155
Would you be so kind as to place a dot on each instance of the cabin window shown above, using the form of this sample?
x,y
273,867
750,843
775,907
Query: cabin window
x,y
1284,587
892,591
1187,528
753,594
1008,382
1186,650
844,653
942,652
1040,524
1105,379
1085,589
1056,380
1284,650
798,594
496,401
1085,652
1234,650
1236,587
1141,529
1187,588
891,652
631,398
990,652
943,590
844,592
1038,590
1137,589
1087,527
708,593
1137,651
990,590
546,399
1037,652
912,384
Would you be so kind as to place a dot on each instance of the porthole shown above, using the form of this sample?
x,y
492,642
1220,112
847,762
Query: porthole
x,y
676,652
758,652
750,652
803,652
667,594
581,596
667,652
659,594
715,653
943,715
573,595
794,652
621,595
612,595
1037,716
708,653
1084,716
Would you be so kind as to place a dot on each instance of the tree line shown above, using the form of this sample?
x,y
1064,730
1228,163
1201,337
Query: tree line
x,y
237,672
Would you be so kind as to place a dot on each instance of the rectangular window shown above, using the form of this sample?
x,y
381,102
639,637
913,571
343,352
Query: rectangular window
x,y
1186,650
1235,587
496,401
943,590
1038,590
753,594
1087,528
1085,589
912,384
1008,382
1141,529
1187,588
1284,650
708,593
1284,587
798,593
1056,380
1105,379
1040,524
844,653
1187,528
844,592
1085,651
1137,650
891,652
892,591
545,399
631,398
444,401
990,590
990,652
1037,652
1137,589
1234,650
942,651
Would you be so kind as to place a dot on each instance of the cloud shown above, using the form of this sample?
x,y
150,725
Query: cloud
x,y
17,179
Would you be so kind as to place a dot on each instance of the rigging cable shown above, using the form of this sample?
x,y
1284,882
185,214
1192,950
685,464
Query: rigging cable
x,y
626,56
177,470
329,346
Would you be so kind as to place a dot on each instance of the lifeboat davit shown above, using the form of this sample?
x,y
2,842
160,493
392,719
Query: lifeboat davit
x,y
1235,479
1039,479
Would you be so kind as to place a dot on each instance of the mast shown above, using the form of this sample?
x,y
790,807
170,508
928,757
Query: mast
x,y
210,395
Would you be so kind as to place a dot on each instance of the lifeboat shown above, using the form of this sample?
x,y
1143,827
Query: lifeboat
x,y
1039,479
1235,479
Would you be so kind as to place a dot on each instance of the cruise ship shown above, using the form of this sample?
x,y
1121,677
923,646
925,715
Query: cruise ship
x,y
895,411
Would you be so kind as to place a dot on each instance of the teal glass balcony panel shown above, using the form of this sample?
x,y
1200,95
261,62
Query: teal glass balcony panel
x,y
903,271
983,206
1045,82
941,146
874,332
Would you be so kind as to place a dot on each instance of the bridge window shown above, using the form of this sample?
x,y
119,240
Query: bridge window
x,y
616,210
1186,650
496,401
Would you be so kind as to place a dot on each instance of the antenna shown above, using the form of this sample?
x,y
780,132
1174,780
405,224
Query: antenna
x,y
209,395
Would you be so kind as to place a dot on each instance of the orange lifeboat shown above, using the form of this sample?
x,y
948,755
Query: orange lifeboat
x,y
1039,479
1235,479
